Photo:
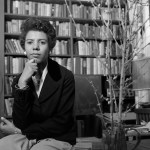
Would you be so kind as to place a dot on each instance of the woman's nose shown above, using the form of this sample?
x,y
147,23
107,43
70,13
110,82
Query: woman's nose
x,y
36,46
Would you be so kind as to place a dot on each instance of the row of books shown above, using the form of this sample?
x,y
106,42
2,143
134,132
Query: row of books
x,y
14,65
61,10
13,46
96,66
97,48
102,32
61,48
66,62
96,12
113,3
36,8
92,47
62,28
80,30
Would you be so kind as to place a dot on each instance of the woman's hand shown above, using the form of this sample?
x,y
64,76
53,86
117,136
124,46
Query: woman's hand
x,y
29,70
8,127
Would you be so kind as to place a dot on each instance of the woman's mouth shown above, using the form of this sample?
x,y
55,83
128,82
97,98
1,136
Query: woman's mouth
x,y
35,55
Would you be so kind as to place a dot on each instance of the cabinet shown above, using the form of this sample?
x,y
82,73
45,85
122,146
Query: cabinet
x,y
82,38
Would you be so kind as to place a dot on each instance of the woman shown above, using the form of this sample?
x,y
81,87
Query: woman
x,y
44,94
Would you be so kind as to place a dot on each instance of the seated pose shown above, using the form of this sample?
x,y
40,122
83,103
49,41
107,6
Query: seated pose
x,y
44,95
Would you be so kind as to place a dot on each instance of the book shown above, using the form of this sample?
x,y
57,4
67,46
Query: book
x,y
85,146
77,64
8,6
9,46
9,104
80,128
19,47
13,48
84,65
13,41
7,86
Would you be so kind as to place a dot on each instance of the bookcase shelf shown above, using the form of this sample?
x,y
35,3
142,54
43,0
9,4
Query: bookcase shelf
x,y
71,41
10,16
15,55
16,36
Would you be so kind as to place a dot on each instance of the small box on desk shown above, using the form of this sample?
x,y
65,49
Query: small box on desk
x,y
89,143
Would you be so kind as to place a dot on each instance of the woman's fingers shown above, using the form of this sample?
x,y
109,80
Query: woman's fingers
x,y
4,120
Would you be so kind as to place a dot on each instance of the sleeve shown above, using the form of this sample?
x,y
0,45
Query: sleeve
x,y
22,105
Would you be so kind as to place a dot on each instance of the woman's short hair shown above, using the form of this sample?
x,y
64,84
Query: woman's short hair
x,y
37,24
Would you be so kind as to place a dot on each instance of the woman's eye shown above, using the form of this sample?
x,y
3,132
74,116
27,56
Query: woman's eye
x,y
29,42
42,42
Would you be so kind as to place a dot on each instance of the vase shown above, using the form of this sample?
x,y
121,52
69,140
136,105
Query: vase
x,y
114,139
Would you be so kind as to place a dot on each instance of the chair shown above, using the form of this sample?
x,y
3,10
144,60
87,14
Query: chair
x,y
86,108
142,114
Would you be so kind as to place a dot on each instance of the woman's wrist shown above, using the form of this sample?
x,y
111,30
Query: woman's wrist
x,y
21,88
22,84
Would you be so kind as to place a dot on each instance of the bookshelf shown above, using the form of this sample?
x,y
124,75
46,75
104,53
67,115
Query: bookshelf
x,y
2,58
79,40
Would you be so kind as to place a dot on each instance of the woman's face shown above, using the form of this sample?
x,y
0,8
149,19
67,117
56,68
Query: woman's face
x,y
36,46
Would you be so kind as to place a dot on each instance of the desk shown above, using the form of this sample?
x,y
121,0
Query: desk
x,y
128,118
144,145
93,143
144,139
